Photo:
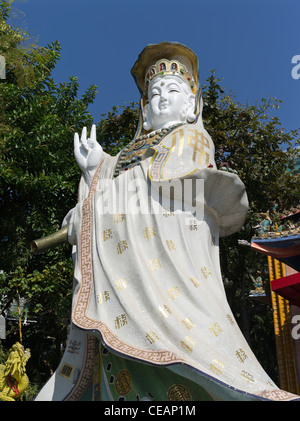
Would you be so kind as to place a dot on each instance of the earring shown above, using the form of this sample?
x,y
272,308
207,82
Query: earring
x,y
147,125
191,117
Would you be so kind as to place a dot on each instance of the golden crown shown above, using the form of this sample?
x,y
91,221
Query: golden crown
x,y
165,67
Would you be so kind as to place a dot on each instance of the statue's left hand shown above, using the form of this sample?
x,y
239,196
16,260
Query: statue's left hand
x,y
88,152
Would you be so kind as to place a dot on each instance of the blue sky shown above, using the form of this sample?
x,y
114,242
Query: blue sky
x,y
250,44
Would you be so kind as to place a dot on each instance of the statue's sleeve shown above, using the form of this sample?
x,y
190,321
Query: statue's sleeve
x,y
188,154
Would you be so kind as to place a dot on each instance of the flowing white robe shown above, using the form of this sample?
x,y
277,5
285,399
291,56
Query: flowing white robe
x,y
147,272
148,275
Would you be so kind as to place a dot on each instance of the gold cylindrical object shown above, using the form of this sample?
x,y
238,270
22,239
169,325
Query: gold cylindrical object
x,y
51,241
287,366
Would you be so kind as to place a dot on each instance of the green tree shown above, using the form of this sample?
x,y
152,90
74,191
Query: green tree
x,y
117,128
38,183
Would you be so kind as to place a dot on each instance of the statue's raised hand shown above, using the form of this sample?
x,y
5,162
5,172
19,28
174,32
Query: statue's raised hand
x,y
88,152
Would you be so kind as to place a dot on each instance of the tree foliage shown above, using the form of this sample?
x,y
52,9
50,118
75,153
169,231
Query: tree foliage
x,y
38,183
39,179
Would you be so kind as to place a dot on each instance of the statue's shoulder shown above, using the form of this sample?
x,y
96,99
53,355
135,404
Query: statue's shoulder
x,y
181,152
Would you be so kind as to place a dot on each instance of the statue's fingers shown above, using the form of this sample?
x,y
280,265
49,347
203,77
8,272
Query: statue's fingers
x,y
93,134
84,139
83,133
76,141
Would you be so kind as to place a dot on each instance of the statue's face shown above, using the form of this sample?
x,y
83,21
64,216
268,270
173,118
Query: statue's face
x,y
169,99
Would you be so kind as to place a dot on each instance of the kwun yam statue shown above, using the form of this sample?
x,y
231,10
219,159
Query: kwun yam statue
x,y
150,319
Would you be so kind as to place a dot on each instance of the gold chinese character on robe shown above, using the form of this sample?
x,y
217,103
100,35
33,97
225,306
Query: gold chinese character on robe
x,y
173,292
106,234
121,283
122,246
217,366
230,319
205,272
119,217
151,337
241,355
102,297
247,376
120,321
170,244
188,344
199,142
149,232
187,322
154,264
164,310
195,281
215,329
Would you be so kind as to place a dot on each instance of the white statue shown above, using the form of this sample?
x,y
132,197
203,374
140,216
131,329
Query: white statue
x,y
147,279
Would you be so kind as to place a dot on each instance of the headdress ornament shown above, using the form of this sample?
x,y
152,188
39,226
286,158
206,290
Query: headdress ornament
x,y
165,67
166,58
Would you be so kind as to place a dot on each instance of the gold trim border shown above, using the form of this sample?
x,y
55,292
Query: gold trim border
x,y
86,373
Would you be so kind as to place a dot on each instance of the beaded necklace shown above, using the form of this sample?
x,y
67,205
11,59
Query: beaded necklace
x,y
132,154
